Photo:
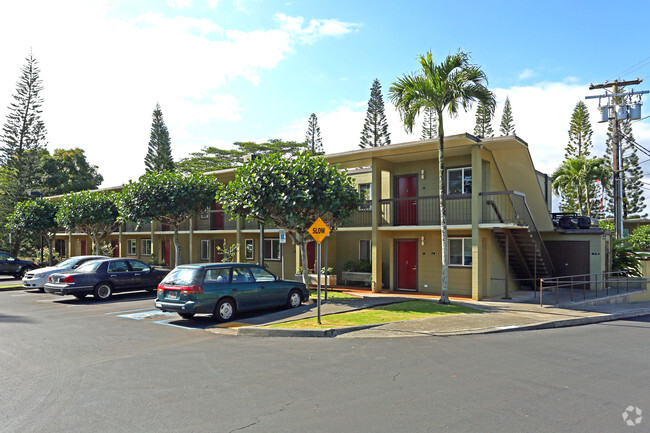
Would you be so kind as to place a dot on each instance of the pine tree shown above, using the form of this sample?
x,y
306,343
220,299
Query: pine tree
x,y
483,128
429,125
579,132
633,199
507,126
23,133
312,137
159,153
375,128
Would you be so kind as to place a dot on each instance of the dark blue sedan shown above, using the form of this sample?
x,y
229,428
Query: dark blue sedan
x,y
102,278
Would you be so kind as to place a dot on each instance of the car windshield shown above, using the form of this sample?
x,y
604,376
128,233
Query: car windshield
x,y
68,263
180,277
89,266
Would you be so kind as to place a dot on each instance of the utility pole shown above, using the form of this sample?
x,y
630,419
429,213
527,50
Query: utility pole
x,y
617,108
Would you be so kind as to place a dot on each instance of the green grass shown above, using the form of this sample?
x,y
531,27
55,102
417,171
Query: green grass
x,y
331,295
409,310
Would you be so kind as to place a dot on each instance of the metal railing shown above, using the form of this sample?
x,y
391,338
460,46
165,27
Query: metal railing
x,y
511,207
603,281
419,211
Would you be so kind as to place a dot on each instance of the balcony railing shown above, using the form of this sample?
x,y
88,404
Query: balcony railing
x,y
134,227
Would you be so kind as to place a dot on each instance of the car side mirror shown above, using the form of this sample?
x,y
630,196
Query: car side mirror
x,y
11,259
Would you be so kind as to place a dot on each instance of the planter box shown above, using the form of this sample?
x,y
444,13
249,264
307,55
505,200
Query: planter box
x,y
313,278
363,277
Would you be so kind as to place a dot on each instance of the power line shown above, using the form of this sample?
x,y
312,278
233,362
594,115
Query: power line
x,y
628,69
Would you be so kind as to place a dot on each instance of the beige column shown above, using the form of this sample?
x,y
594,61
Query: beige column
x,y
191,241
376,237
239,240
70,253
477,188
120,249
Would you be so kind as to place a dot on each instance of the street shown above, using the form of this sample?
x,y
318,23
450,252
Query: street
x,y
78,366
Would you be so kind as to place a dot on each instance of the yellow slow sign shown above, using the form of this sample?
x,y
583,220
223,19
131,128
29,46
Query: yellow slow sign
x,y
319,230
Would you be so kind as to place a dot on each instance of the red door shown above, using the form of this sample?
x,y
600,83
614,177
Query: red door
x,y
116,248
407,269
407,210
216,218
83,248
166,251
311,256
218,256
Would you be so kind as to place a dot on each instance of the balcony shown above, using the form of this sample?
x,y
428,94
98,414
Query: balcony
x,y
132,227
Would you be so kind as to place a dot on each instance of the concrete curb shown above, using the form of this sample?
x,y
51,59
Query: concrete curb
x,y
10,288
254,331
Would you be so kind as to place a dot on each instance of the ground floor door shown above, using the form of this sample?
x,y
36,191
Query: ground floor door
x,y
406,266
166,247
218,245
570,258
115,244
83,248
311,256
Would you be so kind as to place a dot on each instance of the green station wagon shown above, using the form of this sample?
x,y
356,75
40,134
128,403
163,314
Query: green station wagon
x,y
223,289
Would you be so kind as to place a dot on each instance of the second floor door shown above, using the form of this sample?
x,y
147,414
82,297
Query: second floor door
x,y
407,210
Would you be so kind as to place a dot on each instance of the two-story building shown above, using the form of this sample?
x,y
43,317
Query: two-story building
x,y
498,215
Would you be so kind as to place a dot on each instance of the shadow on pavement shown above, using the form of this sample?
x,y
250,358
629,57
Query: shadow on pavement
x,y
116,298
15,319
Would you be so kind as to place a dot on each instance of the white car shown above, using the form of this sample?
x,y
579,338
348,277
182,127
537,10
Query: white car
x,y
36,279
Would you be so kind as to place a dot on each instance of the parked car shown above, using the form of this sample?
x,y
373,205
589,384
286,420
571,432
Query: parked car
x,y
102,278
223,289
36,278
10,265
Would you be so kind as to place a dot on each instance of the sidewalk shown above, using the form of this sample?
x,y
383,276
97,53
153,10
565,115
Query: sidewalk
x,y
498,316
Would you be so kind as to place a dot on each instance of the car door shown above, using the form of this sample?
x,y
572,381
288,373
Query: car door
x,y
272,292
119,274
141,274
5,265
244,288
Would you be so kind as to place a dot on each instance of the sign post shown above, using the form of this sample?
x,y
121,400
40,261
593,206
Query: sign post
x,y
319,231
283,240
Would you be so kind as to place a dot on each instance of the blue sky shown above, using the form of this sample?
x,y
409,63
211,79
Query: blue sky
x,y
226,71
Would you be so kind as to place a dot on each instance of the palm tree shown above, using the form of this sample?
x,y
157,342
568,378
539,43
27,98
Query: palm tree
x,y
452,84
577,176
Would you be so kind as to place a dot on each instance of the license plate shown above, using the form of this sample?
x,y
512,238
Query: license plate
x,y
173,295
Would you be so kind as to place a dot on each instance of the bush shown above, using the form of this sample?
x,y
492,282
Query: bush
x,y
357,266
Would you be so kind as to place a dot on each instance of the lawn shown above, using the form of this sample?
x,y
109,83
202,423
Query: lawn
x,y
331,295
409,310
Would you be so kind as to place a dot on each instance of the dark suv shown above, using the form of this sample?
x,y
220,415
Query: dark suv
x,y
10,265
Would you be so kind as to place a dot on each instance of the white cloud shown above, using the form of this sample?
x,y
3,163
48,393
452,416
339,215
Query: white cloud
x,y
526,73
179,4
316,29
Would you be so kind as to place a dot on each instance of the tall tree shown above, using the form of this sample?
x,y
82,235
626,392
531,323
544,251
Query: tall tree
x,y
483,126
429,125
167,197
24,131
633,198
264,190
578,176
507,126
579,132
452,84
375,128
67,170
312,137
159,153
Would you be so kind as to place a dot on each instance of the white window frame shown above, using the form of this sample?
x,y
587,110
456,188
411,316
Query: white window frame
x,y
205,215
146,251
205,248
131,247
464,243
250,242
366,206
268,250
462,177
369,249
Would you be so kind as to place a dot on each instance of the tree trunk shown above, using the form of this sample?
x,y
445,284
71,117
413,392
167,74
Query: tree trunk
x,y
303,253
444,297
49,248
177,244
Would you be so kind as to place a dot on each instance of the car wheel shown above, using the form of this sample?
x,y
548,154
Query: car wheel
x,y
295,299
41,289
103,291
225,310
186,315
80,297
21,273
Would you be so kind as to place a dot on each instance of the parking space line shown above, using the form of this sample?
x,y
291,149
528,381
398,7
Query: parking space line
x,y
166,322
146,314
129,311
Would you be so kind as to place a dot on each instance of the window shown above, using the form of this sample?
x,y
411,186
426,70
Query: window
x,y
205,250
118,266
460,251
131,247
365,189
365,250
138,266
146,247
217,275
262,275
250,249
272,249
459,180
205,215
241,275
